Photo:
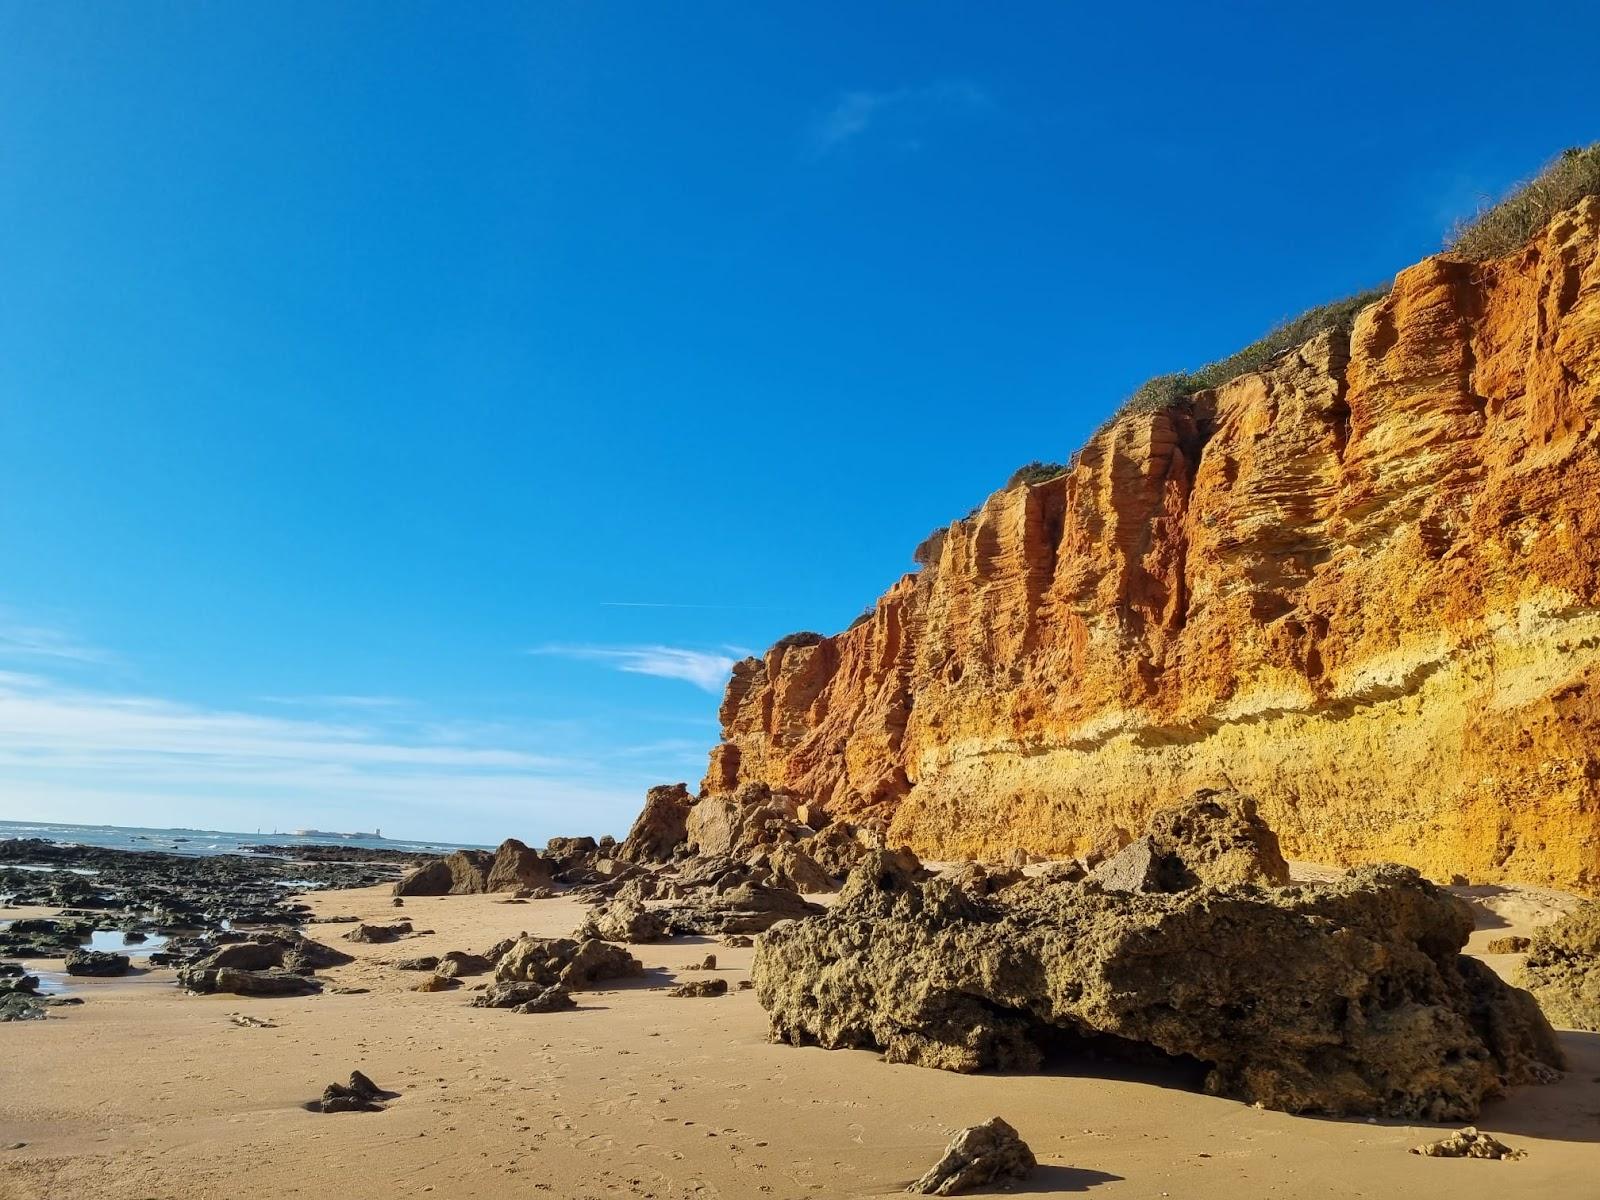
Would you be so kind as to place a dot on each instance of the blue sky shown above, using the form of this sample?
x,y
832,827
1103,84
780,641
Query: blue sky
x,y
408,411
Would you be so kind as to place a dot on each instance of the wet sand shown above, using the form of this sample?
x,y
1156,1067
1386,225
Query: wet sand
x,y
147,1092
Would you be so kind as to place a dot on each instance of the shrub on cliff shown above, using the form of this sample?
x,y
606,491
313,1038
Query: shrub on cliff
x,y
927,551
1501,227
1035,472
803,638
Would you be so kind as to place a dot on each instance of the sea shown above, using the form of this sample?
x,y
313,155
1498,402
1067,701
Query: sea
x,y
205,841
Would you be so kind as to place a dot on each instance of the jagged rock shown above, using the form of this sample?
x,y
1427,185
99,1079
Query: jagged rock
x,y
572,963
1350,997
1468,1143
525,997
1562,969
624,921
792,868
701,987
1213,837
1217,837
661,827
1511,944
977,1155
457,963
1068,870
460,873
1134,868
568,853
378,933
359,1095
18,1006
96,962
738,941
271,982
745,908
836,848
976,879
752,817
515,867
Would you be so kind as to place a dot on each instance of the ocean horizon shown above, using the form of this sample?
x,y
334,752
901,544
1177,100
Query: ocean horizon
x,y
201,842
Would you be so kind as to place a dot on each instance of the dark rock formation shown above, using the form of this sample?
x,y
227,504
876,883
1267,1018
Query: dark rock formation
x,y
1563,968
364,932
271,982
701,987
525,997
1349,997
979,1154
359,1095
96,962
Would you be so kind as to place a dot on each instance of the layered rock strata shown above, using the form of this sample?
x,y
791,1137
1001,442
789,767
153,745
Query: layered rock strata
x,y
1362,585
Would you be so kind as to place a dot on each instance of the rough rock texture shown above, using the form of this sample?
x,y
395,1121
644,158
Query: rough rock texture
x,y
515,867
271,982
977,1155
1562,969
462,873
1362,585
1349,997
1468,1143
623,921
1213,837
564,961
700,988
744,908
96,962
662,825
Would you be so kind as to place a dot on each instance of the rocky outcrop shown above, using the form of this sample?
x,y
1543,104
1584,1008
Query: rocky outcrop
x,y
515,867
662,826
1350,997
1214,837
979,1154
1562,969
96,962
566,961
1362,585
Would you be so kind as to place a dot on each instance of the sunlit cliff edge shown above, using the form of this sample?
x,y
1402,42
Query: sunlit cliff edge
x,y
1361,584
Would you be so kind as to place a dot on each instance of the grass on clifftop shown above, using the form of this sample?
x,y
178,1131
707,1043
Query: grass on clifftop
x,y
1496,229
1156,394
1501,227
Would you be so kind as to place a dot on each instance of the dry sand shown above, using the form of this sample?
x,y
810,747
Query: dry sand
x,y
145,1091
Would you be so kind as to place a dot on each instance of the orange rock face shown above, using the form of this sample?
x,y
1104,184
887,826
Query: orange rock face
x,y
1362,585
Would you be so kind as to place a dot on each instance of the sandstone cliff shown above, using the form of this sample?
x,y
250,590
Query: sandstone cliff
x,y
1362,585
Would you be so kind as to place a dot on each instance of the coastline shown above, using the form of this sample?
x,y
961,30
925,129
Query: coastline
x,y
146,1091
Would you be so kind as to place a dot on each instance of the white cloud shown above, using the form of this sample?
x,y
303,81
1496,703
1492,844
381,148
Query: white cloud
x,y
854,112
23,639
707,669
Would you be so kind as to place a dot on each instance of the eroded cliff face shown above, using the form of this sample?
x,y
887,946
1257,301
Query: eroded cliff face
x,y
1362,585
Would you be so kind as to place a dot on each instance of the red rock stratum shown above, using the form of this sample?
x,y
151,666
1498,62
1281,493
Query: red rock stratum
x,y
1362,585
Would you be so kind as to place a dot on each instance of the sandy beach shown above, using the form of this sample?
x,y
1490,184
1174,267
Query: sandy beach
x,y
145,1091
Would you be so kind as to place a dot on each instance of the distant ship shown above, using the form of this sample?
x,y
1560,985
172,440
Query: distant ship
x,y
376,835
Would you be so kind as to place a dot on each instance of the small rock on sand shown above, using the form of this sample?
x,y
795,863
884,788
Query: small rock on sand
x,y
977,1155
1468,1143
701,987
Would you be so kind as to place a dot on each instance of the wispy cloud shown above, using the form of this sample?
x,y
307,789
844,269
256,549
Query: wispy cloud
x,y
708,669
365,703
27,640
853,113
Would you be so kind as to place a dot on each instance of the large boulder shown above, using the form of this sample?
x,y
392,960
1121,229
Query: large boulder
x,y
96,962
1563,968
271,982
753,817
1349,997
662,825
516,866
460,873
570,853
